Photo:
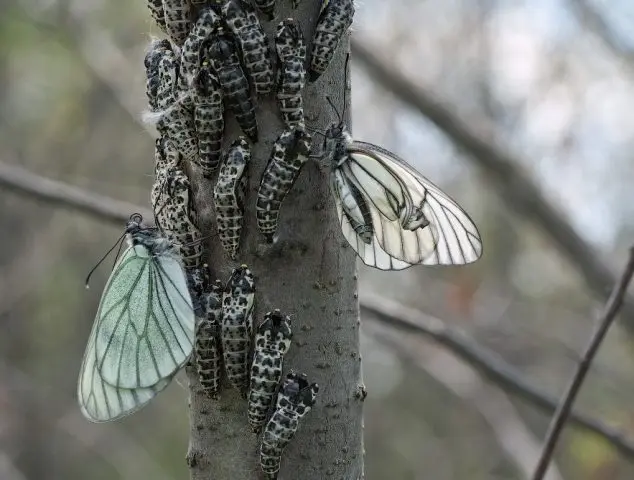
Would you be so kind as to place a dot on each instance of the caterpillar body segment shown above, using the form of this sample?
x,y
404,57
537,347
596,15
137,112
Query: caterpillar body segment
x,y
207,347
237,326
291,53
172,201
290,152
229,194
243,22
223,56
334,21
193,47
294,401
208,119
272,341
177,19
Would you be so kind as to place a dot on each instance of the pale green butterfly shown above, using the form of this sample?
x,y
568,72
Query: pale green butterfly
x,y
144,330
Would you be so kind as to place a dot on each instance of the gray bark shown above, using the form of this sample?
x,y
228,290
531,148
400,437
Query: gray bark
x,y
309,274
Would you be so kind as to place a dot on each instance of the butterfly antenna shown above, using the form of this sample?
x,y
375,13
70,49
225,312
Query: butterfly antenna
x,y
315,130
334,108
119,242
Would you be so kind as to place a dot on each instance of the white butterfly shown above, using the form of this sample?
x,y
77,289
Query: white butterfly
x,y
390,214
144,330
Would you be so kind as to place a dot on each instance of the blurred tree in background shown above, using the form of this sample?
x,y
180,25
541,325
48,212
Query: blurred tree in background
x,y
550,83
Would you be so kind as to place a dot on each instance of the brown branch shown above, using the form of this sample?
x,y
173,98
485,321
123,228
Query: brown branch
x,y
60,194
487,362
384,310
560,418
500,166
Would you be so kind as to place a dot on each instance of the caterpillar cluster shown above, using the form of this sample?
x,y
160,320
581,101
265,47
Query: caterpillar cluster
x,y
217,61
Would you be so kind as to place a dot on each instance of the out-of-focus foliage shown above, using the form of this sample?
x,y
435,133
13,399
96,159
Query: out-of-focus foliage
x,y
71,97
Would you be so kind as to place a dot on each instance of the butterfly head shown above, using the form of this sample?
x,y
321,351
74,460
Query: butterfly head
x,y
149,237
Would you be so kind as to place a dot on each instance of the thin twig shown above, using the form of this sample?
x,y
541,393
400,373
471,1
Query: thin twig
x,y
560,418
64,195
500,166
487,362
383,310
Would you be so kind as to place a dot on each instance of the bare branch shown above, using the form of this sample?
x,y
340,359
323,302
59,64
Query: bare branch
x,y
560,418
488,363
386,311
500,166
64,195
513,436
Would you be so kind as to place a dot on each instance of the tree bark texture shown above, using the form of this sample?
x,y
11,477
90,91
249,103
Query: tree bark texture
x,y
309,274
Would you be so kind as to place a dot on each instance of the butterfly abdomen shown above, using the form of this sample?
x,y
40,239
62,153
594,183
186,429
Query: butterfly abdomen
x,y
272,341
201,32
244,24
353,205
291,52
209,120
234,84
208,352
290,152
177,19
237,326
334,20
229,194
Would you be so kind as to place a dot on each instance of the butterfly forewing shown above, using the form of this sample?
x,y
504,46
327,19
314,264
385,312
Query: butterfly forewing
x,y
145,324
452,236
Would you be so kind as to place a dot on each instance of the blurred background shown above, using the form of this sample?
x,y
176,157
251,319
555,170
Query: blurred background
x,y
546,85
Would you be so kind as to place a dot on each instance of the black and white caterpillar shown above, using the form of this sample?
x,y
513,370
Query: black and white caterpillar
x,y
294,401
157,12
237,326
272,341
192,49
152,60
229,194
243,22
334,20
290,152
174,115
224,60
208,119
173,205
291,53
208,352
177,19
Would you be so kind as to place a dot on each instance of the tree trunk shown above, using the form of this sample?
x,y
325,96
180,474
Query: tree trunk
x,y
309,274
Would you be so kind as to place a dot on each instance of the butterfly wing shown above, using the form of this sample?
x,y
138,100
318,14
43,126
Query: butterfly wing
x,y
144,331
396,195
101,402
371,253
